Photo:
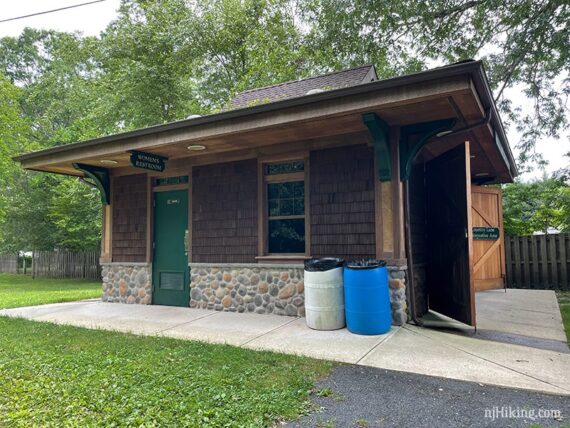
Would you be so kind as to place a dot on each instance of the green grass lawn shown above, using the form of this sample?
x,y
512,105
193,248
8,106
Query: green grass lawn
x,y
67,376
564,302
53,375
22,290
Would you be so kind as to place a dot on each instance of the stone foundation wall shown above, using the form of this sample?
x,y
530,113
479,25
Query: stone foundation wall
x,y
270,289
127,282
398,302
237,287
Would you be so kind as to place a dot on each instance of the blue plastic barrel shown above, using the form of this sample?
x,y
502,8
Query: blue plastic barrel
x,y
367,300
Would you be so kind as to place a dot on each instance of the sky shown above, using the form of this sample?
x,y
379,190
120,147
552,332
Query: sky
x,y
92,19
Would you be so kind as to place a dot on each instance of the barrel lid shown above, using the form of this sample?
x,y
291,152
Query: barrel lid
x,y
323,264
365,263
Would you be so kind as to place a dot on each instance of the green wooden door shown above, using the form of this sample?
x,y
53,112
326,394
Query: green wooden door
x,y
170,275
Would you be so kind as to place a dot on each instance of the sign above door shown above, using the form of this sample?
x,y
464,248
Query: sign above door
x,y
148,161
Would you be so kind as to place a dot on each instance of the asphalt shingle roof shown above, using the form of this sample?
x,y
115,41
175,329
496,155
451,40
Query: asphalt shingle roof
x,y
298,88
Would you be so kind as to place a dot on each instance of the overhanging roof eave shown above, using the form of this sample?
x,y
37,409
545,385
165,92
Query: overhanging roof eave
x,y
474,68
262,108
482,85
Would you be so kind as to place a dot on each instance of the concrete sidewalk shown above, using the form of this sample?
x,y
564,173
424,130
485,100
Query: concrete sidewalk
x,y
409,348
529,313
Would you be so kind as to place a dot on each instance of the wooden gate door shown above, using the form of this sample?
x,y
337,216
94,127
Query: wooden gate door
x,y
449,268
488,253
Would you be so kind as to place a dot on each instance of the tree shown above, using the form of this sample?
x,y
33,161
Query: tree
x,y
244,45
157,62
146,66
51,105
26,225
162,61
59,77
45,211
75,210
536,206
14,137
524,43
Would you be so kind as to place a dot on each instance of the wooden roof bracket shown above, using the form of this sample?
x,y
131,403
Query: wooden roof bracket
x,y
100,177
380,132
425,131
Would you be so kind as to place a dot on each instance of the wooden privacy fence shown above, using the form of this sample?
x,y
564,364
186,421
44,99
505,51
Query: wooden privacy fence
x,y
538,261
8,263
66,264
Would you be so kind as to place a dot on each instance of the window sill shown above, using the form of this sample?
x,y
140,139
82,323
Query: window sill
x,y
277,258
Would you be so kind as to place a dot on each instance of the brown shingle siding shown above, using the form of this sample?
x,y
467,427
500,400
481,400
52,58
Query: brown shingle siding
x,y
342,202
129,202
224,212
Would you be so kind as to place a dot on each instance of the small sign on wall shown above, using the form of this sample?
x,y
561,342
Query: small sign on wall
x,y
148,161
486,233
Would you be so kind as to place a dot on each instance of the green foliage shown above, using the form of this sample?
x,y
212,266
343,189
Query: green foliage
x,y
362,423
328,392
156,63
75,212
66,376
244,45
524,43
22,290
26,225
146,67
14,131
44,212
536,206
163,61
52,106
58,73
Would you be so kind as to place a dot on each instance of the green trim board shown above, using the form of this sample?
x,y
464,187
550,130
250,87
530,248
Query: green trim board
x,y
100,177
380,132
424,131
168,181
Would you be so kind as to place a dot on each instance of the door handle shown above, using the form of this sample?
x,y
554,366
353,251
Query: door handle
x,y
186,242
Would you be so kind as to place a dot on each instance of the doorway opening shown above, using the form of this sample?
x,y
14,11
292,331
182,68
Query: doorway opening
x,y
440,228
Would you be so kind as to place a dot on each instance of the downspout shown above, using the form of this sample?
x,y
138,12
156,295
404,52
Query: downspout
x,y
483,122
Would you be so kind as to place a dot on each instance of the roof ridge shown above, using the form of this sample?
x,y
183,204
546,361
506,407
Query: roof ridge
x,y
304,79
